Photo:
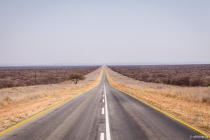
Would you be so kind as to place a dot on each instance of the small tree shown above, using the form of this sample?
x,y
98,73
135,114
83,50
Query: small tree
x,y
76,77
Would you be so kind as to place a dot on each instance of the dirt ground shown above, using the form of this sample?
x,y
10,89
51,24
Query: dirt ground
x,y
19,103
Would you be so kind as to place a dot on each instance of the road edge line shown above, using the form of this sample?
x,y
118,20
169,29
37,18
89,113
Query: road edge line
x,y
42,112
167,114
48,109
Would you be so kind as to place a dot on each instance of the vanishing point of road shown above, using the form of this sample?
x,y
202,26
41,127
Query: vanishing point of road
x,y
102,113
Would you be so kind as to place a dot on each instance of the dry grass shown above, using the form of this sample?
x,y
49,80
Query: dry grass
x,y
19,103
190,104
30,76
182,75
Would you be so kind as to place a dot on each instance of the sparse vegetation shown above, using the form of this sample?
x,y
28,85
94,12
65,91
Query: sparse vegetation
x,y
182,75
19,103
27,76
190,104
76,77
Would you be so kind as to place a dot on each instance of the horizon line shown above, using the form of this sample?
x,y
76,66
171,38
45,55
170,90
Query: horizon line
x,y
96,64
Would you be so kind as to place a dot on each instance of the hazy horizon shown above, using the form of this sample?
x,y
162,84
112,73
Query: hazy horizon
x,y
108,64
104,32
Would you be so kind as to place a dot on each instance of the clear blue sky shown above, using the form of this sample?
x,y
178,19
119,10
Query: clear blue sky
x,y
94,32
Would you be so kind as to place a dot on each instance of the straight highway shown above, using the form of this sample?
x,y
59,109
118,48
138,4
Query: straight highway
x,y
102,113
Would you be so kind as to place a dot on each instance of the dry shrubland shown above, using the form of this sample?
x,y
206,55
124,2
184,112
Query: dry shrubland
x,y
182,75
27,76
19,103
190,104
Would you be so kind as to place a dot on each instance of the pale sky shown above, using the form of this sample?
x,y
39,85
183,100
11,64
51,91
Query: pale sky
x,y
45,32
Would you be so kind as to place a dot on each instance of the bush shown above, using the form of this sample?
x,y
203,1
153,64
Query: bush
x,y
157,81
166,80
144,76
208,84
206,99
7,84
196,82
182,81
76,77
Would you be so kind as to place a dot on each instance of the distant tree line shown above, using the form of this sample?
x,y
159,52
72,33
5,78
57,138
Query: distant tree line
x,y
181,75
26,76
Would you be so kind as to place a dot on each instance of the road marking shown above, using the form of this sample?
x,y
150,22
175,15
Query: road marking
x,y
102,136
38,114
165,113
108,137
102,112
103,100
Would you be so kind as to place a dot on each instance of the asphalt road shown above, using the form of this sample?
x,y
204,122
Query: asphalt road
x,y
87,118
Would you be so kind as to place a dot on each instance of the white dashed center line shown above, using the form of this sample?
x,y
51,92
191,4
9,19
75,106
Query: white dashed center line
x,y
102,112
108,137
102,136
